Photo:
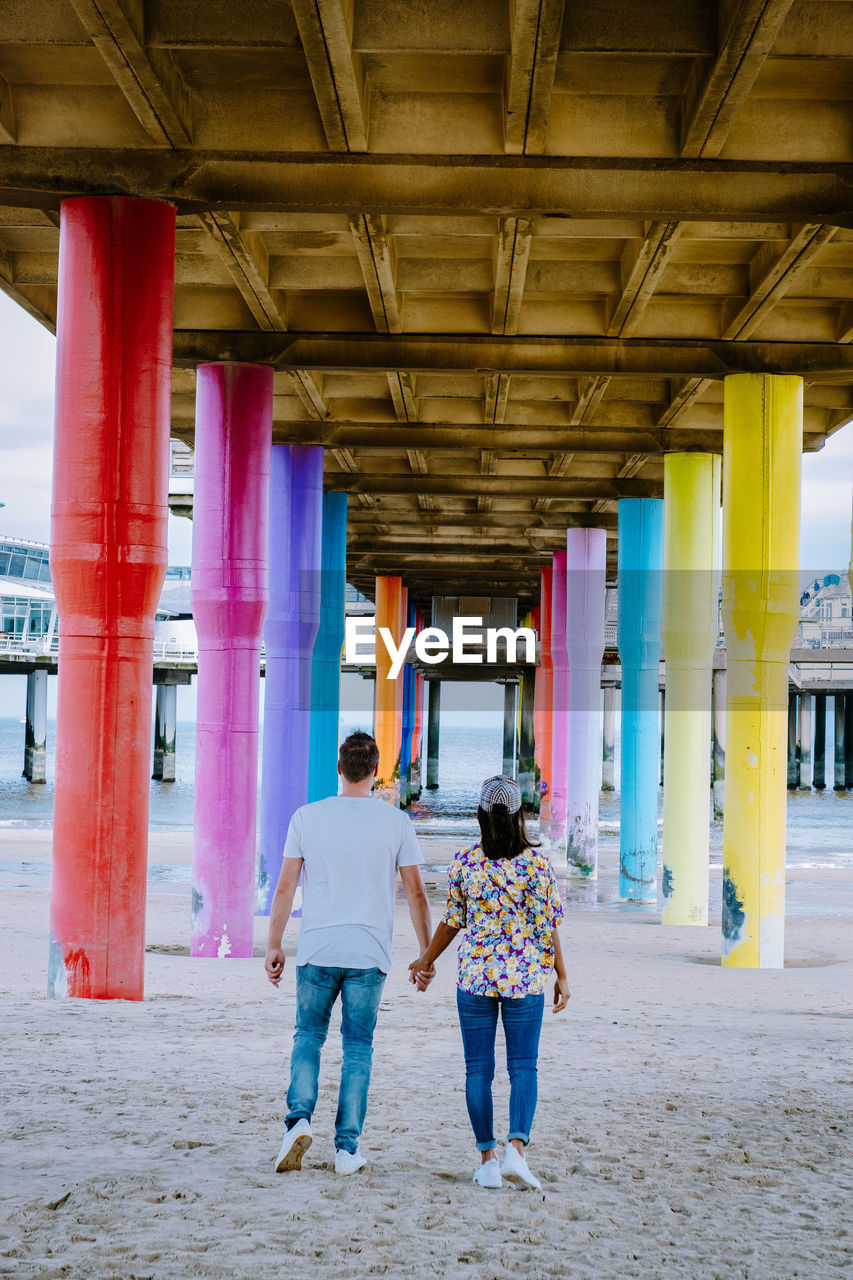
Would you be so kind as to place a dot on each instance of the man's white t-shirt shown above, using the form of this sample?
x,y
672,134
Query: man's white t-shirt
x,y
352,847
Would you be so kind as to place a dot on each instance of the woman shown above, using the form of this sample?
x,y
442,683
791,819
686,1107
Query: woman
x,y
504,895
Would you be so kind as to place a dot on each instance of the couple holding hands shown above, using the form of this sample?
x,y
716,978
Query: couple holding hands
x,y
501,895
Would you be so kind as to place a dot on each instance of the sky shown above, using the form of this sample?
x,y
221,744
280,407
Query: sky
x,y
26,433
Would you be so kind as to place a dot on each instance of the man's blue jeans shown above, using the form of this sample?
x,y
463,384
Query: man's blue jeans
x,y
522,1021
317,989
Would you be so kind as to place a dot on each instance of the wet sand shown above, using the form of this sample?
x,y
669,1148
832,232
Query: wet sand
x,y
693,1121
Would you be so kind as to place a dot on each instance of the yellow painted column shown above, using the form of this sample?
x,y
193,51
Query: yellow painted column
x,y
691,529
762,458
386,718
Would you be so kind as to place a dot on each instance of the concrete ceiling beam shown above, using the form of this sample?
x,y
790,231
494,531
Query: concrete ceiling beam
x,y
510,273
715,95
340,87
642,265
247,262
149,78
537,27
376,259
658,189
773,274
495,486
534,356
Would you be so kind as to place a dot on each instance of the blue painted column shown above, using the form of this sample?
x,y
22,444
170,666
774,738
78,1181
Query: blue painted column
x,y
640,560
326,659
293,615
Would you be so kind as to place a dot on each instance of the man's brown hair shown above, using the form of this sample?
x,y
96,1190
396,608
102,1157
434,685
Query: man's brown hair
x,y
358,756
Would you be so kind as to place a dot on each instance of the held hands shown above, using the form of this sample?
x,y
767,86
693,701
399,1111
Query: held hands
x,y
274,964
561,994
420,974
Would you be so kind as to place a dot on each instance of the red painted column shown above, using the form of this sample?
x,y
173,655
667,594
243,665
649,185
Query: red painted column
x,y
107,560
229,598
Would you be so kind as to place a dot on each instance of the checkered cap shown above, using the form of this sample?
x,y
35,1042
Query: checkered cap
x,y
499,790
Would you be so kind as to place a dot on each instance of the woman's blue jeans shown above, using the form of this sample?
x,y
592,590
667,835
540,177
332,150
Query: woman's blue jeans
x,y
317,989
522,1022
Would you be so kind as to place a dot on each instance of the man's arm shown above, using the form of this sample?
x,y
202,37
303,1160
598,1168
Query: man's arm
x,y
280,909
418,904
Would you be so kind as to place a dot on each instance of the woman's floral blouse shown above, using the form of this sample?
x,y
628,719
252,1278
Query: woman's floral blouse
x,y
508,908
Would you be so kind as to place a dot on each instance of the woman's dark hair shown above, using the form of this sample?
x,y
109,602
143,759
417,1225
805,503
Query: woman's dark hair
x,y
503,834
358,756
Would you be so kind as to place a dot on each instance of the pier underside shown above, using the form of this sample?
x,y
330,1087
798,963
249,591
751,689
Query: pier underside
x,y
500,256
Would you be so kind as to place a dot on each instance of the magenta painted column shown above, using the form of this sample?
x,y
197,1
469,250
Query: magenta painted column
x,y
229,598
560,720
585,587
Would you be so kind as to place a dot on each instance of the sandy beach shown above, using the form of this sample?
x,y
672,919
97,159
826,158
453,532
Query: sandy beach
x,y
693,1122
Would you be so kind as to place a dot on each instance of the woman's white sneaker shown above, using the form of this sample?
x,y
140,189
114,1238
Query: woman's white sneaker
x,y
514,1169
296,1142
488,1175
349,1161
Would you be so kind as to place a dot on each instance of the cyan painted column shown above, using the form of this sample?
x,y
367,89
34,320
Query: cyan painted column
x,y
820,741
35,730
586,551
689,633
326,658
560,711
640,563
229,601
165,725
293,616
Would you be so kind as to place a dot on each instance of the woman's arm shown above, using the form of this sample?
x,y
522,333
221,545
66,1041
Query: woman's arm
x,y
422,970
561,983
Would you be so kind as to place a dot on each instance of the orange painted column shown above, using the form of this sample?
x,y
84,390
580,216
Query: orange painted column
x,y
545,675
108,560
386,721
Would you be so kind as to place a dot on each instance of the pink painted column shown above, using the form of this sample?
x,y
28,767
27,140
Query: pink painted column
x,y
586,588
229,599
560,703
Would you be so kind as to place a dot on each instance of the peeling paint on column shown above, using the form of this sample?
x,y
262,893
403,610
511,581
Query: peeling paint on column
x,y
734,917
667,887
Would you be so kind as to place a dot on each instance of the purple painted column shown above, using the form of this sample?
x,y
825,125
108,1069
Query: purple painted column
x,y
560,720
229,599
586,583
293,616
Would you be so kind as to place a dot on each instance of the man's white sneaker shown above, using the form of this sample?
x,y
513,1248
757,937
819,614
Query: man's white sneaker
x,y
488,1175
514,1169
349,1161
294,1145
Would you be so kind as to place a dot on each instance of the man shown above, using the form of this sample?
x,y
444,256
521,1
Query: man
x,y
349,849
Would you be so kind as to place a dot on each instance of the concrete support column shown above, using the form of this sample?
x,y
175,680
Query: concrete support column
x,y
229,602
559,712
526,773
545,677
839,701
793,742
290,632
804,740
718,742
608,739
416,770
165,725
108,561
326,657
691,526
387,716
639,640
586,564
508,764
433,719
848,741
820,742
408,722
763,443
35,729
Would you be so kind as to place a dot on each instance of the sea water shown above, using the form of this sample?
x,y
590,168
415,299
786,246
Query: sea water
x,y
819,831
